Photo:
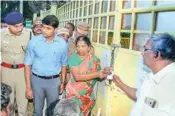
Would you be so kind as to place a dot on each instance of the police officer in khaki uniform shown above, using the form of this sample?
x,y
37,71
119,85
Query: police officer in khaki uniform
x,y
82,29
37,27
13,43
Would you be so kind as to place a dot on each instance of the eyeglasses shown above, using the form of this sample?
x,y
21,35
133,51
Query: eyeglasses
x,y
146,49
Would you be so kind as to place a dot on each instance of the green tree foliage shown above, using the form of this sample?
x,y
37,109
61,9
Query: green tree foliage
x,y
8,6
29,7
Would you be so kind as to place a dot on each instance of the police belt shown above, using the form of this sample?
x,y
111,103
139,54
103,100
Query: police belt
x,y
46,77
12,66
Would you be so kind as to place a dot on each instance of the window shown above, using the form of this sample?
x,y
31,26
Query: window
x,y
125,39
90,9
126,21
103,23
74,14
133,20
85,10
126,4
77,13
84,20
90,22
96,8
110,38
75,22
89,34
81,3
142,3
73,5
68,7
80,12
139,41
102,37
111,22
77,4
112,5
70,14
143,21
95,23
104,7
168,21
85,2
95,35
164,2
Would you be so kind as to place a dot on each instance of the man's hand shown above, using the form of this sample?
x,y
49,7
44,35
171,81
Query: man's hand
x,y
117,80
130,92
29,93
61,88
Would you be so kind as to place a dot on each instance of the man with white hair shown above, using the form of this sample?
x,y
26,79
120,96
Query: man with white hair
x,y
156,96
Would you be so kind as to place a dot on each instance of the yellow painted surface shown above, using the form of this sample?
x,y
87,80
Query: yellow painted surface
x,y
116,103
100,103
125,67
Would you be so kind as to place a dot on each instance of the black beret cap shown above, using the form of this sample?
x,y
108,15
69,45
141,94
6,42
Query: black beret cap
x,y
13,18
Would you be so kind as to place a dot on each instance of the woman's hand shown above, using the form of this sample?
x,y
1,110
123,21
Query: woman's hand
x,y
107,70
61,88
102,75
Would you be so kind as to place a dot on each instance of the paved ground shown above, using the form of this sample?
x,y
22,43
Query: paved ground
x,y
30,109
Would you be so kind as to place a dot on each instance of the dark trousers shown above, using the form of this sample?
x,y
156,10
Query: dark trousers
x,y
44,88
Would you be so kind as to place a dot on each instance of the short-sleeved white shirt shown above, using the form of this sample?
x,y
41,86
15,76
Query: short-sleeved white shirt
x,y
159,88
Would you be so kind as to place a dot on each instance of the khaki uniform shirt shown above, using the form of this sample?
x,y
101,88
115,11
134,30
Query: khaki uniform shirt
x,y
13,47
71,47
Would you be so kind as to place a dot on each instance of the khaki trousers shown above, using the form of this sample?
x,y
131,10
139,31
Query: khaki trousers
x,y
15,78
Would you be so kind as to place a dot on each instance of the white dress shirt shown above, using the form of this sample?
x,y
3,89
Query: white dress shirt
x,y
156,97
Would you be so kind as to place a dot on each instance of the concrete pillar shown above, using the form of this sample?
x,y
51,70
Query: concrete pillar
x,y
41,14
34,16
54,9
21,6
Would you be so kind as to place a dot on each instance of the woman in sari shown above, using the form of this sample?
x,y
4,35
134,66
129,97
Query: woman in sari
x,y
85,71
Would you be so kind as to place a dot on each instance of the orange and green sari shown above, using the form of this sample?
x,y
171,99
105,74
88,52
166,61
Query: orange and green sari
x,y
82,92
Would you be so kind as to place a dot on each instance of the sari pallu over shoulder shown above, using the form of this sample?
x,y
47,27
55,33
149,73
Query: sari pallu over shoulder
x,y
81,91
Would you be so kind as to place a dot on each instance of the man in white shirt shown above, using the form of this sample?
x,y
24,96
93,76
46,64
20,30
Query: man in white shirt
x,y
156,97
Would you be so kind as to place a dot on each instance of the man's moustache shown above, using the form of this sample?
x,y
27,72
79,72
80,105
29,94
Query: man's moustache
x,y
38,30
